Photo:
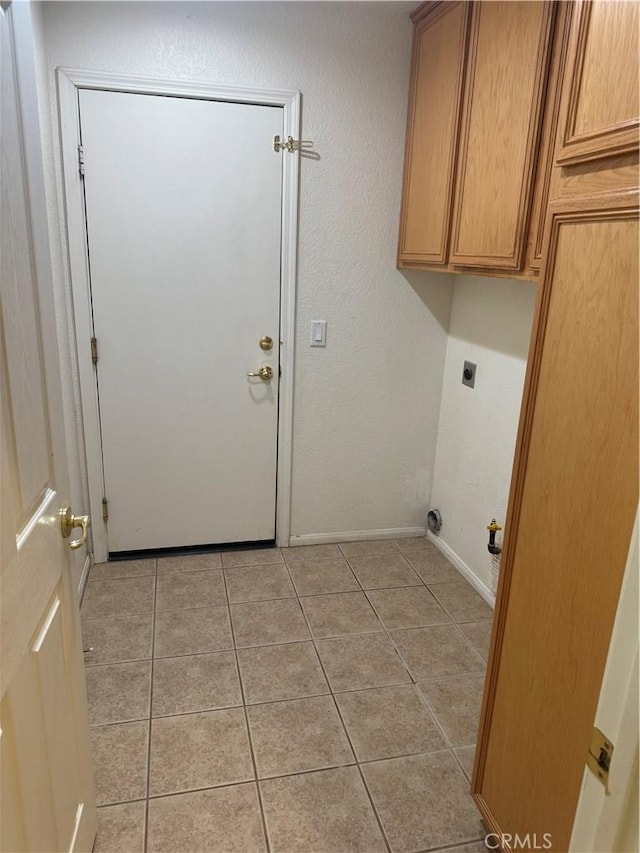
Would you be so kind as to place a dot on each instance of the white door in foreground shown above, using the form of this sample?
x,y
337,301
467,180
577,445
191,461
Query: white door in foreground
x,y
183,206
47,801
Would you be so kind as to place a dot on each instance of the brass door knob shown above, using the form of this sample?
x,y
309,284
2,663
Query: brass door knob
x,y
265,373
266,343
68,522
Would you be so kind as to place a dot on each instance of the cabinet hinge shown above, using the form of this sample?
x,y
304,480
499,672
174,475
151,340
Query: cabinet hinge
x,y
105,510
599,756
81,160
94,350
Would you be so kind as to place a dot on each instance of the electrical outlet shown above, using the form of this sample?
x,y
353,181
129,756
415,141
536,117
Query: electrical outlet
x,y
469,374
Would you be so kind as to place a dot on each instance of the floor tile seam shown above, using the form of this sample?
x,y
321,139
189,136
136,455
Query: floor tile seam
x,y
449,749
369,589
374,807
395,545
248,705
435,718
117,616
119,723
120,803
91,580
413,754
200,571
360,773
346,731
263,600
197,607
468,642
455,847
465,620
149,734
211,710
390,638
254,763
383,630
88,665
326,675
190,654
250,565
110,578
419,579
407,628
261,779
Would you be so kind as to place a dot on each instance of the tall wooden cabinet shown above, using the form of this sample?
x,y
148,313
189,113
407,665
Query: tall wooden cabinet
x,y
574,491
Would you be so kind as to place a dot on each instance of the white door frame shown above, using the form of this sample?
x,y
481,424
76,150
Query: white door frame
x,y
69,83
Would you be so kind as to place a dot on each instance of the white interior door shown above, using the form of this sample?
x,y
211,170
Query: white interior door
x,y
47,801
183,209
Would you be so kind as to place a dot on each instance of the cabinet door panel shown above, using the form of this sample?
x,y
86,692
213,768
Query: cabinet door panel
x,y
432,133
507,68
600,97
572,506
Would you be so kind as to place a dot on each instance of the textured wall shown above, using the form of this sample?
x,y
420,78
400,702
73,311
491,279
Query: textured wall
x,y
490,325
366,407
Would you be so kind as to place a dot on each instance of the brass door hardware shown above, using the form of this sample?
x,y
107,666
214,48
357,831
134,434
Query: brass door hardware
x,y
290,144
265,373
266,343
68,522
599,756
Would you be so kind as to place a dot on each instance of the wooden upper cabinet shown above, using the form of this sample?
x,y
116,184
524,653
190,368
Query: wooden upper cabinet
x,y
600,90
507,69
439,48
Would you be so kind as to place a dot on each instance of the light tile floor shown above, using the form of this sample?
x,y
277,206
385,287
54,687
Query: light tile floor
x,y
307,700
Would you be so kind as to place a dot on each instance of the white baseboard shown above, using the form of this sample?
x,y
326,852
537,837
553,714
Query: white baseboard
x,y
84,576
356,536
463,568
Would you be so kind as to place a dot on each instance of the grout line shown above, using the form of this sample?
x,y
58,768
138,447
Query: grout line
x,y
414,681
153,648
246,723
389,638
346,731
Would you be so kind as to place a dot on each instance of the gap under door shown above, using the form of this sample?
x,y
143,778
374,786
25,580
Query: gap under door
x,y
183,202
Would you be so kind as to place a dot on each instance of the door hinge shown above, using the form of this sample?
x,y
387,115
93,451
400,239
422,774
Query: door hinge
x,y
599,756
81,160
94,350
105,510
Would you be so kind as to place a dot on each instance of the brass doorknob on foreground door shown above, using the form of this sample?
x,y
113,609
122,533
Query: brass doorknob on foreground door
x,y
265,373
68,522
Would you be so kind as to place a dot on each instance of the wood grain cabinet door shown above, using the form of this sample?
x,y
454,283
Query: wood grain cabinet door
x,y
600,91
507,69
439,50
572,507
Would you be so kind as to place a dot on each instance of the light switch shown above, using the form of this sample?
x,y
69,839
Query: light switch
x,y
319,333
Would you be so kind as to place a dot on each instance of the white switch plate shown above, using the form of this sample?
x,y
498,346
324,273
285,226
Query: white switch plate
x,y
319,333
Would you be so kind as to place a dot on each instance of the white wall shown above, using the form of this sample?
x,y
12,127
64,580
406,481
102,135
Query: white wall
x,y
366,407
490,325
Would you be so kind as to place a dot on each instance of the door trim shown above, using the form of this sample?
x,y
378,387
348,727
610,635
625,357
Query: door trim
x,y
69,82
